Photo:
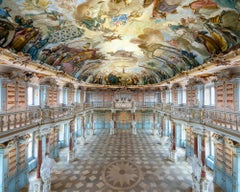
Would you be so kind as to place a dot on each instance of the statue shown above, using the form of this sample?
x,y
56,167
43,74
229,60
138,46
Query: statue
x,y
45,172
134,130
111,127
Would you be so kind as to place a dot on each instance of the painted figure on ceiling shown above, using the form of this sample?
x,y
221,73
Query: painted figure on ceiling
x,y
161,7
5,13
34,49
22,37
206,4
93,23
210,44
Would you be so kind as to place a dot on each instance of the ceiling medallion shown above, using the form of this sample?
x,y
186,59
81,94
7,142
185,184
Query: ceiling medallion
x,y
122,175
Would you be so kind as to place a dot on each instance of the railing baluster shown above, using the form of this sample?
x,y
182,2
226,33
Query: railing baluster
x,y
1,123
26,118
20,123
8,122
30,117
15,120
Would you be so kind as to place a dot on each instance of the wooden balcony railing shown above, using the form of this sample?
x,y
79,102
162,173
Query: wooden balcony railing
x,y
37,116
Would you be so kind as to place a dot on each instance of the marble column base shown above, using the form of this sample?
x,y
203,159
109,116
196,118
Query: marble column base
x,y
71,156
91,132
199,185
155,132
36,185
47,186
204,185
163,140
134,131
82,140
112,131
195,184
173,156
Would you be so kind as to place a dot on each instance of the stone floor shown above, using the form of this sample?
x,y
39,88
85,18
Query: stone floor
x,y
121,162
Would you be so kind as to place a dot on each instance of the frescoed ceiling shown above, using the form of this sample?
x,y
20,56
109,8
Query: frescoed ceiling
x,y
120,42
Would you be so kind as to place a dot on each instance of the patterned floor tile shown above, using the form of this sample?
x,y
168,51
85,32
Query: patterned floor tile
x,y
121,163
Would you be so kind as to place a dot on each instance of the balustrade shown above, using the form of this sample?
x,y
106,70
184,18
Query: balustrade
x,y
205,116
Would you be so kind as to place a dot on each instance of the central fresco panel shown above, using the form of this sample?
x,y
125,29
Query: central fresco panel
x,y
120,42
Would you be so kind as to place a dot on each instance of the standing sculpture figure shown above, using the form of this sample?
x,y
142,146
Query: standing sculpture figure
x,y
111,127
45,172
134,129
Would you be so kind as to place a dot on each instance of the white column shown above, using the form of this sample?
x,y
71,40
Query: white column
x,y
72,141
91,122
37,182
83,130
112,123
134,128
173,147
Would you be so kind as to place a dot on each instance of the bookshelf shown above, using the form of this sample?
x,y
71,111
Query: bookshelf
x,y
191,95
21,95
228,160
70,96
51,139
220,96
219,155
175,96
56,137
11,95
22,156
52,96
229,96
12,162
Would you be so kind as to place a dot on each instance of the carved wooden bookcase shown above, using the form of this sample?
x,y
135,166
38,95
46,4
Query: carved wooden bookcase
x,y
21,95
52,96
70,96
11,95
227,95
22,156
191,95
12,161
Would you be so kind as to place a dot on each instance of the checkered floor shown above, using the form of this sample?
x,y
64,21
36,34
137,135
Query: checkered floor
x,y
121,162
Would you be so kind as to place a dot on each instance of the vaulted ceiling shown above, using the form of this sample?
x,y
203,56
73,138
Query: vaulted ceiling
x,y
120,42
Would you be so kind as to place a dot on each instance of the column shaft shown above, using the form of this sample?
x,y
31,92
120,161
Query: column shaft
x,y
195,147
203,157
39,157
71,130
162,126
154,120
174,135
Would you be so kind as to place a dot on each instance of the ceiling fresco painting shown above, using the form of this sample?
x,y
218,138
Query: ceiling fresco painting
x,y
120,42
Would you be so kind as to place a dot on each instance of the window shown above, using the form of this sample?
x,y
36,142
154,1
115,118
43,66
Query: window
x,y
78,96
33,95
61,133
209,95
30,146
150,97
179,92
65,96
168,96
30,96
184,96
211,147
212,95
